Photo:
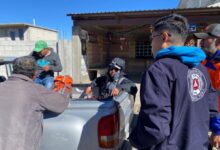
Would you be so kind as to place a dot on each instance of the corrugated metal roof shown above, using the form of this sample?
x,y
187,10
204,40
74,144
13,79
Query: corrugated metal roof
x,y
24,25
137,12
115,12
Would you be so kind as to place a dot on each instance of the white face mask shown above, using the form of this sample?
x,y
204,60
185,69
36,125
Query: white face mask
x,y
117,75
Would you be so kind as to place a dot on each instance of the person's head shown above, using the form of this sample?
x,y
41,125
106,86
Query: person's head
x,y
210,38
169,30
25,65
116,65
41,48
191,41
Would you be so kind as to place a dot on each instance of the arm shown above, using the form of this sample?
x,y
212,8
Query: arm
x,y
93,88
154,118
128,86
53,101
215,128
89,88
56,67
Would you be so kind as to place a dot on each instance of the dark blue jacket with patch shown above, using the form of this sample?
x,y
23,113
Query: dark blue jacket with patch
x,y
177,100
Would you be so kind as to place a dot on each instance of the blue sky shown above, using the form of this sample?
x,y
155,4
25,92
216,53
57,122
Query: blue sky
x,y
52,13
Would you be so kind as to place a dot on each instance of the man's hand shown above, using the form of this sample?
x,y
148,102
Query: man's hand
x,y
115,92
46,68
88,90
215,140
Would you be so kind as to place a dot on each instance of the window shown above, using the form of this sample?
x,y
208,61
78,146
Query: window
x,y
143,49
12,35
21,34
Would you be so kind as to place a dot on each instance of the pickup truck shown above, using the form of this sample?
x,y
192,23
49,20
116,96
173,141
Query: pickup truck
x,y
87,124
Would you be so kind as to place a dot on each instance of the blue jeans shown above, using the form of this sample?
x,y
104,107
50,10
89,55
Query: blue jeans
x,y
47,82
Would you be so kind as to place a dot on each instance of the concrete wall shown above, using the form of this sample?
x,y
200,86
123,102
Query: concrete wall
x,y
65,52
79,67
19,48
41,34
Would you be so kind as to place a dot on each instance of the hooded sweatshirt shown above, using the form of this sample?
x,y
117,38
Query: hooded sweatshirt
x,y
52,59
177,100
106,83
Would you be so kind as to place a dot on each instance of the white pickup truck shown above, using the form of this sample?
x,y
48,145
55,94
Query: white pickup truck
x,y
86,124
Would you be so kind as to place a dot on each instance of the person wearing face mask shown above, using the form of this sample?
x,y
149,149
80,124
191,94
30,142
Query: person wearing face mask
x,y
113,82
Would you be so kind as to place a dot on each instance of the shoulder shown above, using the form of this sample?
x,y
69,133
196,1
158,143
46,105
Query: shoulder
x,y
124,79
35,55
166,65
204,70
37,87
52,53
101,80
167,68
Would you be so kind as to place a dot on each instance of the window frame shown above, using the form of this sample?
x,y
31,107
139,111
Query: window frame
x,y
141,47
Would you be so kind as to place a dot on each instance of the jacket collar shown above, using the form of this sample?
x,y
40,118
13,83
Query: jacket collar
x,y
20,76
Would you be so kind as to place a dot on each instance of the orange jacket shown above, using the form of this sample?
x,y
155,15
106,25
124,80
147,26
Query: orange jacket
x,y
214,74
215,78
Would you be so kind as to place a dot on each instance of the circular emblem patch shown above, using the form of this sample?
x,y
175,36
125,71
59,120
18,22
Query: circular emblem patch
x,y
196,84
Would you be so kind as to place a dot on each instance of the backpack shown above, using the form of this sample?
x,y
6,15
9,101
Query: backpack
x,y
61,81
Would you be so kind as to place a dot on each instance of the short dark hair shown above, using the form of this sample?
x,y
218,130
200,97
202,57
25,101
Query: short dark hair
x,y
24,65
175,24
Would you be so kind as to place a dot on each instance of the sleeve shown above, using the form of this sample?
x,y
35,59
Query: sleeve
x,y
93,83
57,66
214,114
154,118
52,101
98,82
128,86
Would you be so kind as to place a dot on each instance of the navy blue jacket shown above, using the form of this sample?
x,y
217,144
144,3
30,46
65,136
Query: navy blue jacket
x,y
176,104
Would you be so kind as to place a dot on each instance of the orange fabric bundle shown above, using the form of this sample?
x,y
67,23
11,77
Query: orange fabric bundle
x,y
61,81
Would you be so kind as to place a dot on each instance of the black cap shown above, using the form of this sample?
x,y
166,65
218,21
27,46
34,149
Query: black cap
x,y
117,63
213,30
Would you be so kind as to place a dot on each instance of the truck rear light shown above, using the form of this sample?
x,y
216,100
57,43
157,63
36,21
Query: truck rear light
x,y
108,131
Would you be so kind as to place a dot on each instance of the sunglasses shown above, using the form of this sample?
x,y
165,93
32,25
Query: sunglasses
x,y
116,69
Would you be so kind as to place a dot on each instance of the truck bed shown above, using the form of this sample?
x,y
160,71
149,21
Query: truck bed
x,y
77,127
